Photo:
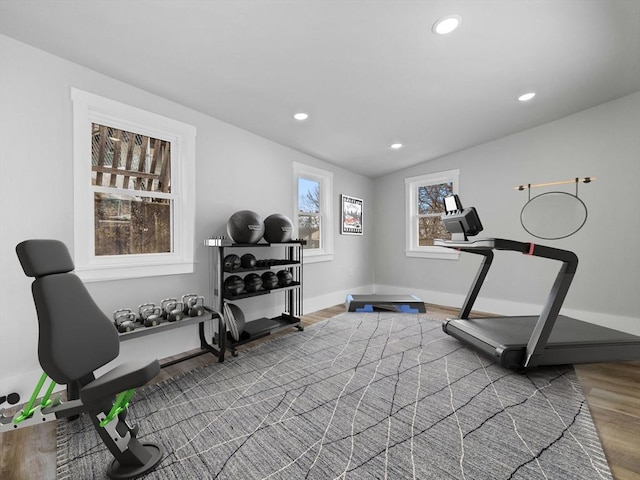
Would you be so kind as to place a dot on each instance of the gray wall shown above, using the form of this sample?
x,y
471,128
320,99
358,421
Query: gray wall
x,y
238,170
603,142
235,170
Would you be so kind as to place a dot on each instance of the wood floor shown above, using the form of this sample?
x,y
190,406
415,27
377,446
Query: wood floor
x,y
612,391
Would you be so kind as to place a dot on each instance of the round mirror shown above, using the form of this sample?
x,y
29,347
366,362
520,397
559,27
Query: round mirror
x,y
553,215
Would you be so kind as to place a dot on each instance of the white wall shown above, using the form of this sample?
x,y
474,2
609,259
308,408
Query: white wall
x,y
603,142
235,170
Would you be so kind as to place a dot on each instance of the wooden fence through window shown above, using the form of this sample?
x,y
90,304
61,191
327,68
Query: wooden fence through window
x,y
130,224
129,160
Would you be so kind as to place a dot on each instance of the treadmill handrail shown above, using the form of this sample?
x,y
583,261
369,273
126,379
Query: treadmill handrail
x,y
555,299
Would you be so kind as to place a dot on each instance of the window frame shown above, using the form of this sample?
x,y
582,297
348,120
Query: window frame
x,y
325,179
412,247
89,108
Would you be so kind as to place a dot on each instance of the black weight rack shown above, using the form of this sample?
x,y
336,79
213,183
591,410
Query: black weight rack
x,y
293,293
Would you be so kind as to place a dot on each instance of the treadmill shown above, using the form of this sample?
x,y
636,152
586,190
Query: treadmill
x,y
525,342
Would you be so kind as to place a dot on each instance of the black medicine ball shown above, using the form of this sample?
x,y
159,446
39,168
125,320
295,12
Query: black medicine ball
x,y
278,228
252,282
231,262
269,280
233,285
245,226
248,261
285,278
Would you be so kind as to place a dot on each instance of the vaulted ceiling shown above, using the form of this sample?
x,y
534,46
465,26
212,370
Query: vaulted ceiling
x,y
368,73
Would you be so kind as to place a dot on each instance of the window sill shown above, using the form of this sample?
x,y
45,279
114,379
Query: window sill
x,y
437,252
317,257
119,272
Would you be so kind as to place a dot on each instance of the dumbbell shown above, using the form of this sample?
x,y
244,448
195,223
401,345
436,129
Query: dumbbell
x,y
150,314
124,320
196,306
185,301
172,310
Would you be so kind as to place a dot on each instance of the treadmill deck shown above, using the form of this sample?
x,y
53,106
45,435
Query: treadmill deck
x,y
571,341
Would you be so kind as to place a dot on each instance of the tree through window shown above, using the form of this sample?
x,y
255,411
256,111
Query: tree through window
x,y
425,204
313,211
430,208
309,219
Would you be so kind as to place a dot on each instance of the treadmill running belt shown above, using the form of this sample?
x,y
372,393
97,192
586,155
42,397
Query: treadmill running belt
x,y
571,341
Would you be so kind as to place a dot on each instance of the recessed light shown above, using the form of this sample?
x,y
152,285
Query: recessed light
x,y
446,24
527,96
301,116
396,146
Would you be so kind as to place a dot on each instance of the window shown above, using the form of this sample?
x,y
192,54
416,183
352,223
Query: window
x,y
424,206
314,211
134,191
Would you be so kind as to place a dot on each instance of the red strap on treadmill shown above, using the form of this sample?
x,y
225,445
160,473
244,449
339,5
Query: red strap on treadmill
x,y
532,247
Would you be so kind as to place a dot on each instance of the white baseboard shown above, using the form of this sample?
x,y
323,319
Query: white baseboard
x,y
324,301
505,307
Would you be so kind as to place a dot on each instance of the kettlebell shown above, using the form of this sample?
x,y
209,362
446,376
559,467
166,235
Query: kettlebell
x,y
174,311
124,320
185,302
196,306
150,315
166,306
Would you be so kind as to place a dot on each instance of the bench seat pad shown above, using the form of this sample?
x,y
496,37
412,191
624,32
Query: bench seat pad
x,y
126,376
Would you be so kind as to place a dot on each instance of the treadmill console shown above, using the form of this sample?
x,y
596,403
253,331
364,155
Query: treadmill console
x,y
460,222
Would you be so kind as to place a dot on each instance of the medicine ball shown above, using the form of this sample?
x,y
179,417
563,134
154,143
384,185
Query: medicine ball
x,y
245,226
237,317
233,285
252,282
285,278
269,280
248,261
278,228
231,262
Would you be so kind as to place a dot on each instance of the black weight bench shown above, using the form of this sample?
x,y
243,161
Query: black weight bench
x,y
75,339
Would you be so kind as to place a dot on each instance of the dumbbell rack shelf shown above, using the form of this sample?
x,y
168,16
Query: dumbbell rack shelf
x,y
261,291
205,346
163,327
261,327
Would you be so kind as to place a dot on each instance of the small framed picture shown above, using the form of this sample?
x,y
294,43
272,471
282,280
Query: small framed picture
x,y
351,218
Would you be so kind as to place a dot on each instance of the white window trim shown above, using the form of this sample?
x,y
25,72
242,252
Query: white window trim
x,y
412,249
89,108
325,253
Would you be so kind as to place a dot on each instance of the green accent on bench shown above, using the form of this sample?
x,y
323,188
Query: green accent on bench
x,y
28,409
120,405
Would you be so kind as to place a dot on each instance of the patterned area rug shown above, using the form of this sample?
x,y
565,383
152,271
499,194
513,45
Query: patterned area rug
x,y
361,395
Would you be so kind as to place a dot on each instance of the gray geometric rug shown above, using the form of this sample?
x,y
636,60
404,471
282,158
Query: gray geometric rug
x,y
361,395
